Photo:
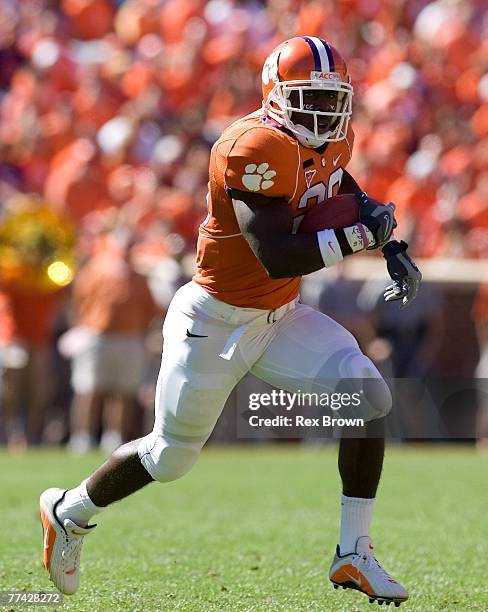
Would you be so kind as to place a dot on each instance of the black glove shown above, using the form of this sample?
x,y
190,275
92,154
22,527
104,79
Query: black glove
x,y
379,219
403,271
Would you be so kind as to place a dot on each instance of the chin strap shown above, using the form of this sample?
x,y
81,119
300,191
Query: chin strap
x,y
306,140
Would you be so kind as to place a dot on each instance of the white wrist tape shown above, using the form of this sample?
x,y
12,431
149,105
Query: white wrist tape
x,y
329,247
359,237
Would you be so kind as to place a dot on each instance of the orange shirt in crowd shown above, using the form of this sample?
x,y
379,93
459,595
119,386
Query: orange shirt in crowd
x,y
254,155
76,184
110,297
28,316
7,323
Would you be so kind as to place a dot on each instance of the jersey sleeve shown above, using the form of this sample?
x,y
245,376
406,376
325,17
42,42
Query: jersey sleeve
x,y
261,162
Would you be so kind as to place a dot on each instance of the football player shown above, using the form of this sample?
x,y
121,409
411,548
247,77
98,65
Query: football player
x,y
241,313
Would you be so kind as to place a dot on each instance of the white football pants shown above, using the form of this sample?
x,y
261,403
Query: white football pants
x,y
210,345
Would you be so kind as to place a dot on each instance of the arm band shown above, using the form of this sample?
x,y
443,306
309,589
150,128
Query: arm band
x,y
359,237
336,244
329,247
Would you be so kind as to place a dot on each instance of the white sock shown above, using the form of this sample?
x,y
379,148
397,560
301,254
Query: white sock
x,y
77,506
356,515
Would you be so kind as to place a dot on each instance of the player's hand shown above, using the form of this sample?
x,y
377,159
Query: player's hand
x,y
379,219
404,273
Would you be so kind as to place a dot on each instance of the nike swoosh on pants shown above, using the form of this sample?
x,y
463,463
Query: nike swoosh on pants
x,y
190,335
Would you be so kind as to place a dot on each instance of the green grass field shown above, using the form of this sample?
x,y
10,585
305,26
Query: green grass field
x,y
254,528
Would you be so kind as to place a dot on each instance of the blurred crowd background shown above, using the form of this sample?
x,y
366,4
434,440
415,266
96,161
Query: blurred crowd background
x,y
108,111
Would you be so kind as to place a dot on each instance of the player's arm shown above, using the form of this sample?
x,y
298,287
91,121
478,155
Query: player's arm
x,y
348,184
265,223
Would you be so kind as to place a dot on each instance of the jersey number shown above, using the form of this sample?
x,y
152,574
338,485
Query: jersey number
x,y
318,193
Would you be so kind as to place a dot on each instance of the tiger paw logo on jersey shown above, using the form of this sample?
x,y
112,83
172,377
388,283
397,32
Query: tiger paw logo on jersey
x,y
258,177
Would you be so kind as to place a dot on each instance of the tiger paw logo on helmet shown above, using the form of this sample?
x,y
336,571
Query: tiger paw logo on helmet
x,y
258,177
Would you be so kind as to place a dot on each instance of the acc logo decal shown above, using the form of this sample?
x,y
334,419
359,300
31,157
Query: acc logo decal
x,y
324,76
258,177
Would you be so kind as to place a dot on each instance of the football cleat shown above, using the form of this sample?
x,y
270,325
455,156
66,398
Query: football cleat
x,y
361,571
62,543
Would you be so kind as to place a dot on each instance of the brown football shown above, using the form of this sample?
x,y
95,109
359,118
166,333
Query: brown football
x,y
333,213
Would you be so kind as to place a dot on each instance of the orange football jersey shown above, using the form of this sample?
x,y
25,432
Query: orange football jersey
x,y
255,155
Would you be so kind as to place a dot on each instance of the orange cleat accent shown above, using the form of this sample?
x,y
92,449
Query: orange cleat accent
x,y
49,539
347,573
361,571
62,543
